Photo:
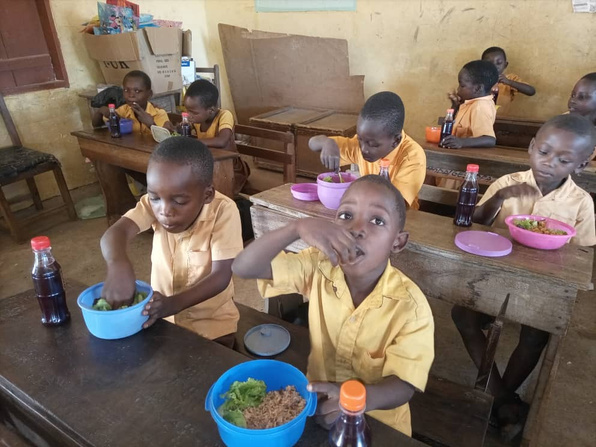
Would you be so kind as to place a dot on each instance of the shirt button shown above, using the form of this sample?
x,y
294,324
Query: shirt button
x,y
353,320
334,289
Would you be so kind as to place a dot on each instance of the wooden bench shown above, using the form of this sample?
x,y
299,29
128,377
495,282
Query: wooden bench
x,y
446,414
516,132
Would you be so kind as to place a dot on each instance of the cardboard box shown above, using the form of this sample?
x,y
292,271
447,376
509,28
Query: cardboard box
x,y
156,51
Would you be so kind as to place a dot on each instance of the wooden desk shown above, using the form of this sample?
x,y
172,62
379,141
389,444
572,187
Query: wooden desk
x,y
111,156
517,132
495,162
543,284
73,389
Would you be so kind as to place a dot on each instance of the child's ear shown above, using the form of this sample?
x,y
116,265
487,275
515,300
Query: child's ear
x,y
531,146
400,242
150,94
209,194
396,140
582,166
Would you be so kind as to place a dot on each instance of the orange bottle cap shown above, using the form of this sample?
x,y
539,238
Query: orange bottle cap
x,y
472,168
450,111
385,162
185,114
352,396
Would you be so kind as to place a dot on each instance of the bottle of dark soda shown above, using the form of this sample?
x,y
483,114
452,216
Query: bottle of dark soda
x,y
447,128
466,202
185,126
114,122
47,280
384,169
350,428
495,93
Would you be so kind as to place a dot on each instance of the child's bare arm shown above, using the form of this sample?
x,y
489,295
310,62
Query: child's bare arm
x,y
336,242
99,115
454,142
221,141
521,87
486,213
216,282
119,286
330,154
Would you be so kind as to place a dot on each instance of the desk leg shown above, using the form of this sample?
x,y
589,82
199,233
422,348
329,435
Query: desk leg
x,y
116,192
548,372
223,177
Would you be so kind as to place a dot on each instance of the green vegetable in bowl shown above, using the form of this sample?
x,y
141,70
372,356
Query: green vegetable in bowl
x,y
328,179
240,396
102,304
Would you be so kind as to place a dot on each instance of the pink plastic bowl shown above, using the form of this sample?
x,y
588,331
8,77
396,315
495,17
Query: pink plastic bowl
x,y
330,194
537,240
305,191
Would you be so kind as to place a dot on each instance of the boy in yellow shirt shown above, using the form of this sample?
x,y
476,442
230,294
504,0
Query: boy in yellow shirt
x,y
562,146
583,98
214,126
474,107
196,236
136,87
367,320
379,135
509,84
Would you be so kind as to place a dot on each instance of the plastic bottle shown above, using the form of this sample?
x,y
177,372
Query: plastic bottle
x,y
47,281
185,126
466,202
384,170
350,428
495,93
447,128
114,122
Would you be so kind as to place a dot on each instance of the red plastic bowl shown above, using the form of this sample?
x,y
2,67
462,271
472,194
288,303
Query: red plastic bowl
x,y
537,240
330,194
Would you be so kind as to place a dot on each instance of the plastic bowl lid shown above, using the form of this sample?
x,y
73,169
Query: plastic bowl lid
x,y
305,191
267,340
483,243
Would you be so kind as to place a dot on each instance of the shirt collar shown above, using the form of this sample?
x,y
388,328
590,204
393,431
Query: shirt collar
x,y
397,151
480,98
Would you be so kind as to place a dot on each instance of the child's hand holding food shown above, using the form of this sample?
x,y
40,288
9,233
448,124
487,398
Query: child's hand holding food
x,y
159,306
119,286
332,239
142,115
328,402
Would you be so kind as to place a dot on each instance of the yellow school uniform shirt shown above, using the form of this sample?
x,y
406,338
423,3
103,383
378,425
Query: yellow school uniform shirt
x,y
179,261
160,117
568,203
407,169
390,333
475,118
223,120
506,94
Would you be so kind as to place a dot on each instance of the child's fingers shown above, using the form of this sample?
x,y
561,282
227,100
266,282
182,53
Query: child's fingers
x,y
328,388
149,322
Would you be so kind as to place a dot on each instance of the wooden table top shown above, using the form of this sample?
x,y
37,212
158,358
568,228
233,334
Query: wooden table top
x,y
148,389
571,265
139,142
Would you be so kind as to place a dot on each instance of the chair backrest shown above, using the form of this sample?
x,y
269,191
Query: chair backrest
x,y
215,72
9,123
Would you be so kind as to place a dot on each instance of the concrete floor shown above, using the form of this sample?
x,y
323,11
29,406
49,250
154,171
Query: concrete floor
x,y
569,419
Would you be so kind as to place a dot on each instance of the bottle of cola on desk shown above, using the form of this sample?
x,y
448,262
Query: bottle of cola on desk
x,y
114,122
185,127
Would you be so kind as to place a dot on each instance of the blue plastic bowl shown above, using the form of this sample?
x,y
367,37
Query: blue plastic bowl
x,y
113,324
125,126
276,375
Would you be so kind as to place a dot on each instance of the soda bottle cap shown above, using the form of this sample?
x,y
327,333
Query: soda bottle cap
x,y
112,106
352,396
472,168
450,111
40,242
185,114
385,162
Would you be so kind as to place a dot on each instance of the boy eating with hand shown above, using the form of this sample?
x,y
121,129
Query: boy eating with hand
x,y
367,320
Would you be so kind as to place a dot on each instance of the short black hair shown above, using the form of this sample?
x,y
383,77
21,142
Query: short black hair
x,y
205,90
388,109
140,75
581,126
186,151
482,73
494,50
398,199
589,77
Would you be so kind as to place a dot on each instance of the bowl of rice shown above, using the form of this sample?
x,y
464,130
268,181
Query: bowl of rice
x,y
261,402
539,232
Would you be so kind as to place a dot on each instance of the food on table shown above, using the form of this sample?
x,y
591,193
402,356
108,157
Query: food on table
x,y
537,226
248,405
102,304
328,179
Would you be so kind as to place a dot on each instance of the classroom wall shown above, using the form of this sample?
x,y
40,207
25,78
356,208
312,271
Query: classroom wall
x,y
412,47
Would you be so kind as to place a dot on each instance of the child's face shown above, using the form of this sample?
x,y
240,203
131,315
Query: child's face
x,y
555,154
375,142
369,212
498,60
135,90
197,114
176,195
583,98
466,88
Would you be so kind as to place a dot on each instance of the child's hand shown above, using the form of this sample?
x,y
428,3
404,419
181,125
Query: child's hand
x,y
330,155
523,190
452,142
456,101
336,242
503,79
105,111
119,286
142,115
328,402
159,306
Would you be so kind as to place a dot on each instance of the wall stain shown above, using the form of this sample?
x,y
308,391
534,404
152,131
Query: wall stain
x,y
416,34
468,9
447,14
